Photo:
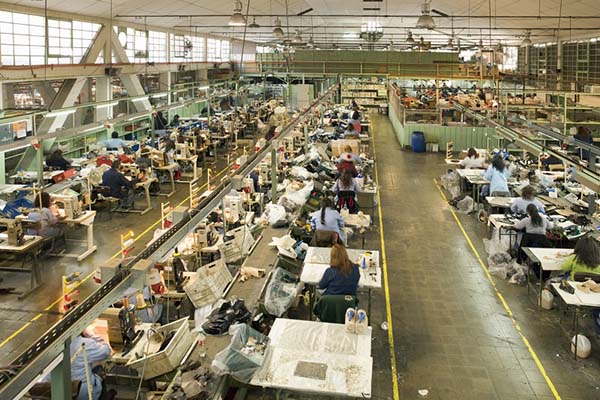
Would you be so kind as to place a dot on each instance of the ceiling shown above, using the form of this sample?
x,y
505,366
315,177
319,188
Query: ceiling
x,y
340,21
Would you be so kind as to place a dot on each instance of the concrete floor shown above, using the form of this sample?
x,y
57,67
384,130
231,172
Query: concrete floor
x,y
452,335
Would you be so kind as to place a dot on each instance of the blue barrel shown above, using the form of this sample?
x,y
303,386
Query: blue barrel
x,y
417,142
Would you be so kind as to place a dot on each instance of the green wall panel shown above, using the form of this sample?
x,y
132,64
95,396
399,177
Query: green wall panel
x,y
463,137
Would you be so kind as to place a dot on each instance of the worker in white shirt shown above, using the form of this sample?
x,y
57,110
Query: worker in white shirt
x,y
472,160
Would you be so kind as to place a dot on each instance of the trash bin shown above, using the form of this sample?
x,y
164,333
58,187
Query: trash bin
x,y
418,142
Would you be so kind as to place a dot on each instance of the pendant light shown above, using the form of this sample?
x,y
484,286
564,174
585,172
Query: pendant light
x,y
425,21
277,31
237,19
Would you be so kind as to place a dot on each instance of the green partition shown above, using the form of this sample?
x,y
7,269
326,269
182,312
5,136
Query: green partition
x,y
462,136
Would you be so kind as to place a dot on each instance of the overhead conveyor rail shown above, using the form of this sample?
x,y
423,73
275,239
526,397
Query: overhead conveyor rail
x,y
584,175
39,358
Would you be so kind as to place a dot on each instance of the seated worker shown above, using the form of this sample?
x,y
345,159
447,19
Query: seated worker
x,y
115,142
119,186
45,216
347,161
585,259
346,189
328,219
355,121
519,206
583,135
254,176
351,133
96,351
472,160
498,174
342,276
175,122
534,223
57,160
160,122
144,161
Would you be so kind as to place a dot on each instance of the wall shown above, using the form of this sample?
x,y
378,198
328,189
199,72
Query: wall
x,y
463,137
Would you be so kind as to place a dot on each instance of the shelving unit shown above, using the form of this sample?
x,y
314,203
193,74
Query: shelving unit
x,y
367,91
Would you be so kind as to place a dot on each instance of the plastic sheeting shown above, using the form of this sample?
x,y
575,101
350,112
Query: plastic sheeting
x,y
244,355
281,292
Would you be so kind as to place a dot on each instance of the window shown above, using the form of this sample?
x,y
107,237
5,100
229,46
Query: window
x,y
83,35
22,39
218,50
157,46
187,48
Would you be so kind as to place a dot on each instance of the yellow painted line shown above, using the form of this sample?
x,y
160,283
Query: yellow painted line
x,y
532,352
86,278
388,307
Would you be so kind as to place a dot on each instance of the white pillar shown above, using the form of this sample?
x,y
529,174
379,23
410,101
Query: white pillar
x,y
103,93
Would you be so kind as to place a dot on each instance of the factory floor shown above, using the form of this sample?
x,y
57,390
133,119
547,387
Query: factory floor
x,y
452,334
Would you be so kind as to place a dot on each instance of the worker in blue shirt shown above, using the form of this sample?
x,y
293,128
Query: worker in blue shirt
x,y
342,276
114,142
119,186
328,219
96,350
497,174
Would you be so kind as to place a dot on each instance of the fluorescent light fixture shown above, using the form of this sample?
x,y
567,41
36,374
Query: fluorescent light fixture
x,y
60,113
158,95
203,88
111,104
351,35
93,128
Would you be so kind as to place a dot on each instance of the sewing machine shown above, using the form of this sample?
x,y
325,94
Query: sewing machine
x,y
14,230
205,235
232,208
69,203
182,151
264,173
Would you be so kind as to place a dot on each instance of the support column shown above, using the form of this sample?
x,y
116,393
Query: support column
x,y
60,377
8,95
103,93
274,172
164,85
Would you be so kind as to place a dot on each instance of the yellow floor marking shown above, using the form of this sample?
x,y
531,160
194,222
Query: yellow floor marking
x,y
502,300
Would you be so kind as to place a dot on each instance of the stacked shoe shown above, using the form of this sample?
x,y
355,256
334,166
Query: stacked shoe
x,y
221,318
356,321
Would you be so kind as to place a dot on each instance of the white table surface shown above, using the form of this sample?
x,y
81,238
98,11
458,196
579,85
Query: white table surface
x,y
312,274
463,173
322,255
500,201
346,357
578,298
551,259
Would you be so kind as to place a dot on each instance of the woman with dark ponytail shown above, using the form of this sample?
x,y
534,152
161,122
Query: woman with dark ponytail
x,y
534,223
328,219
